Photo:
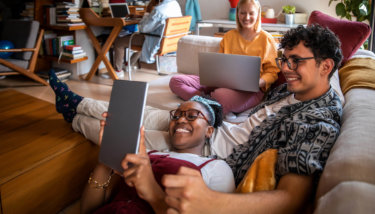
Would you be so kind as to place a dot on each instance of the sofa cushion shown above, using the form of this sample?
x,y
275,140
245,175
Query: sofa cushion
x,y
348,197
21,63
352,156
188,48
335,84
358,73
351,34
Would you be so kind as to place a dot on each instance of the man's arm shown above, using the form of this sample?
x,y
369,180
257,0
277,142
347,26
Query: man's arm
x,y
187,193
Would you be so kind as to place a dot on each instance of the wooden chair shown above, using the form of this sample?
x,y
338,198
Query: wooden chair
x,y
92,19
24,35
175,28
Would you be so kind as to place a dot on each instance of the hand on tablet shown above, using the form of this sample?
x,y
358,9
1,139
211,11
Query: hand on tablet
x,y
140,174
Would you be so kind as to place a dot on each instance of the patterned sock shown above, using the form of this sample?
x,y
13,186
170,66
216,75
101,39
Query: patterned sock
x,y
66,100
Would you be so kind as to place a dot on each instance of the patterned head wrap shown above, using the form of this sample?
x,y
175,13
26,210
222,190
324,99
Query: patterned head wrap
x,y
207,103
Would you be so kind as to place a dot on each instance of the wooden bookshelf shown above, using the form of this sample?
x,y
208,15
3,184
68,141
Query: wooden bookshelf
x,y
64,60
44,61
66,28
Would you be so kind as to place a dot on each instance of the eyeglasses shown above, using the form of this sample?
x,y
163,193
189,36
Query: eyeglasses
x,y
292,62
190,115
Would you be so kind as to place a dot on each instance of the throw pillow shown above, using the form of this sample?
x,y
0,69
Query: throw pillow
x,y
261,174
351,34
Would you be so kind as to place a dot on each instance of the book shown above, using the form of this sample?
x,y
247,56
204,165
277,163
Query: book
x,y
64,12
73,56
65,40
74,51
72,47
70,24
60,73
47,42
51,15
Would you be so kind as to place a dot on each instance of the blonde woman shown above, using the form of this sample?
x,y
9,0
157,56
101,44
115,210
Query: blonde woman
x,y
247,39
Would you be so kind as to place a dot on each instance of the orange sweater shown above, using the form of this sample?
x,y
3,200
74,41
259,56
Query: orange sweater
x,y
263,46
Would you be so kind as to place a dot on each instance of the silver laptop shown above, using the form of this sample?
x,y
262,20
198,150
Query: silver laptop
x,y
125,114
232,71
119,10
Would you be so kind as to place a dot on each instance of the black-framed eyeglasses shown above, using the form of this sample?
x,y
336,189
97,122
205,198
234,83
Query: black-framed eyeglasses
x,y
292,62
190,115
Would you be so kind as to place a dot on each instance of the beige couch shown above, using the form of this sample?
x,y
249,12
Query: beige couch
x,y
347,184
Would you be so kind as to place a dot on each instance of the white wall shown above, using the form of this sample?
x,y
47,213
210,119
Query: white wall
x,y
212,9
218,9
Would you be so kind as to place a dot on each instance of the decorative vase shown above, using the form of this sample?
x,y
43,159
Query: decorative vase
x,y
232,14
289,19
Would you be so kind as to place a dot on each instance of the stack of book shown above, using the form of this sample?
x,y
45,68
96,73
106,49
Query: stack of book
x,y
53,44
49,14
61,73
72,52
28,12
67,14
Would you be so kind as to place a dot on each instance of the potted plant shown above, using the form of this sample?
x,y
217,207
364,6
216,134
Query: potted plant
x,y
289,12
360,9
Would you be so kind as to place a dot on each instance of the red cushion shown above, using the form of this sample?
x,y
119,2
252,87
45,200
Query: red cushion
x,y
351,34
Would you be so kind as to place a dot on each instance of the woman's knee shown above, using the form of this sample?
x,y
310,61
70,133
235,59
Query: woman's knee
x,y
176,82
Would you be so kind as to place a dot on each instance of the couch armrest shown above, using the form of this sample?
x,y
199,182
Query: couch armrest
x,y
188,48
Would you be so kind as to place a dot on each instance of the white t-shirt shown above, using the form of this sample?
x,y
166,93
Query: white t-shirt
x,y
216,174
229,135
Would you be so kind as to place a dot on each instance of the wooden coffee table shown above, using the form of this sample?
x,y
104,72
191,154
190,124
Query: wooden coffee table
x,y
44,164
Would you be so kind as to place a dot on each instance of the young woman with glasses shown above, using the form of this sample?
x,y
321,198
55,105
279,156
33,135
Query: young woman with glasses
x,y
191,125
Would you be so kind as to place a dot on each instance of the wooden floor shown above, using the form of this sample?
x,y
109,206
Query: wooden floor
x,y
43,163
98,88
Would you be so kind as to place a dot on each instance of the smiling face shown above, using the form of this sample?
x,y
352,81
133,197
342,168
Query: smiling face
x,y
189,136
247,15
310,79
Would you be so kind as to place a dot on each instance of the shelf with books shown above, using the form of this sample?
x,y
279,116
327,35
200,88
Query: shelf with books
x,y
66,27
64,60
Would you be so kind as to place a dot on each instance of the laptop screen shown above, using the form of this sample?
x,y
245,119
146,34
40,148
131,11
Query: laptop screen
x,y
119,10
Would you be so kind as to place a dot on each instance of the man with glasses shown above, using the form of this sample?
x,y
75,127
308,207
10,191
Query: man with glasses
x,y
301,119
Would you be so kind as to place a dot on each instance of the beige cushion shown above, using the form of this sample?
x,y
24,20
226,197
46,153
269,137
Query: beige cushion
x,y
348,197
352,156
188,48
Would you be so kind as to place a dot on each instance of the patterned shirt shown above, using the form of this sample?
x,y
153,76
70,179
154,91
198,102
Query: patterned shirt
x,y
303,133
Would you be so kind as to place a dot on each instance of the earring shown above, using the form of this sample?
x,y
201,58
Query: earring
x,y
206,151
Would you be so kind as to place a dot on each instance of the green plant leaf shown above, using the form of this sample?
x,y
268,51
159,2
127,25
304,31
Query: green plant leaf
x,y
289,9
348,16
340,10
362,9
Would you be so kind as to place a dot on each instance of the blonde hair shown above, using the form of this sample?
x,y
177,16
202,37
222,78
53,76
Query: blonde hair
x,y
257,25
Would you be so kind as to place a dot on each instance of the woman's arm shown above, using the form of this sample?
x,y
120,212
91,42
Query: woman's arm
x,y
98,189
269,68
186,191
141,176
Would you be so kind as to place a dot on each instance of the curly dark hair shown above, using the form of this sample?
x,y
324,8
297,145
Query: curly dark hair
x,y
322,42
218,111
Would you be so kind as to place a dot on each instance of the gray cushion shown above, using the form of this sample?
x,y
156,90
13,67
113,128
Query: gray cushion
x,y
18,62
23,34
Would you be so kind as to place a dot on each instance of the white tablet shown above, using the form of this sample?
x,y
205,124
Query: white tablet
x,y
125,114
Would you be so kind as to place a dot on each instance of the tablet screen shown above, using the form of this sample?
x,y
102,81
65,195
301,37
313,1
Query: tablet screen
x,y
125,114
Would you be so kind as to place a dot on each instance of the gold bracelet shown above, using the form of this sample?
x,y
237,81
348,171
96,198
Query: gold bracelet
x,y
97,184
